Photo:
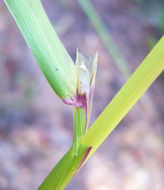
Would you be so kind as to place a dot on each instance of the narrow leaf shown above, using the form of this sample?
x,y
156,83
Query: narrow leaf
x,y
49,52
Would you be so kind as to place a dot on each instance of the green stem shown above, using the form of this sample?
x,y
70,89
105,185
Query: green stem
x,y
66,168
73,159
48,52
121,104
79,127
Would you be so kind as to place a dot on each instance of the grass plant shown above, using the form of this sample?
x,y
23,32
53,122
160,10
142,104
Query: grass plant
x,y
74,84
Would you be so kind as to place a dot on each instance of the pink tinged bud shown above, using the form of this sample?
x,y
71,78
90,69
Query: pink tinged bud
x,y
85,83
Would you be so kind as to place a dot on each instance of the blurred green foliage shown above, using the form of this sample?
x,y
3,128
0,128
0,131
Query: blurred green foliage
x,y
152,11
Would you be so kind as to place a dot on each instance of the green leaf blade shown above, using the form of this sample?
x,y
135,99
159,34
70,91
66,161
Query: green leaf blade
x,y
138,83
49,52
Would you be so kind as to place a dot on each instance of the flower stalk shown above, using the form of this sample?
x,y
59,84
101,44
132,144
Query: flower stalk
x,y
85,83
130,93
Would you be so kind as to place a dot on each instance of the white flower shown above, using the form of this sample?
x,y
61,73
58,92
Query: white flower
x,y
85,82
85,74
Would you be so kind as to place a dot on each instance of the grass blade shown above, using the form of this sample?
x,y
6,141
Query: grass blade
x,y
121,104
41,38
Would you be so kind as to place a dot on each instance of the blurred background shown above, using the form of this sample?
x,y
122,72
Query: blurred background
x,y
36,128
